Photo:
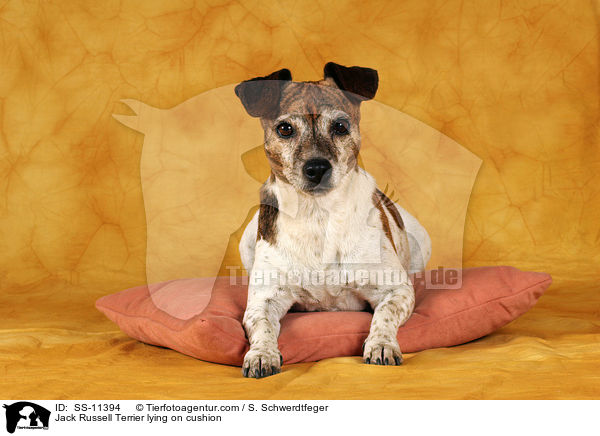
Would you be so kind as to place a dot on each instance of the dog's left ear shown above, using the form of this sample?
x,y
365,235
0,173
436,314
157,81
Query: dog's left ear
x,y
261,95
361,82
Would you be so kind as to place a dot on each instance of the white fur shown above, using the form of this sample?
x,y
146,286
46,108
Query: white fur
x,y
419,241
339,231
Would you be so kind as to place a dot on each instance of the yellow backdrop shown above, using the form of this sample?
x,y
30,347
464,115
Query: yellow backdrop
x,y
514,82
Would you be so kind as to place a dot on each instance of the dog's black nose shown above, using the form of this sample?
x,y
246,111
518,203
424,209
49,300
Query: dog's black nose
x,y
317,170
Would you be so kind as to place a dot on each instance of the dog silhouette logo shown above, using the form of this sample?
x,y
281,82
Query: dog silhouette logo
x,y
26,415
203,163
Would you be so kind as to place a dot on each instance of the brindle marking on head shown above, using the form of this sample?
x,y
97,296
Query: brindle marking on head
x,y
276,165
311,99
389,204
312,108
267,215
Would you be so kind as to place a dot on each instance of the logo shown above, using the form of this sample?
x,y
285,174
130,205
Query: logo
x,y
26,415
209,152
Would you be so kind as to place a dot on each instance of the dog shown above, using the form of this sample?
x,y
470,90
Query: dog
x,y
321,212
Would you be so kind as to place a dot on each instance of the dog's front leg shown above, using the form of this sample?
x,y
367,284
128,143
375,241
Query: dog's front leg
x,y
266,306
392,308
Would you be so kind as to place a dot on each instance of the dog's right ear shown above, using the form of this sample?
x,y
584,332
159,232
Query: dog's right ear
x,y
261,95
360,83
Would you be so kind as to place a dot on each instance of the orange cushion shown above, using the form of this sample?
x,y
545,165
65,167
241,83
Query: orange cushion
x,y
186,316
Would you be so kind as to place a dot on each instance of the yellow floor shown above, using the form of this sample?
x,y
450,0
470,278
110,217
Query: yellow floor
x,y
553,351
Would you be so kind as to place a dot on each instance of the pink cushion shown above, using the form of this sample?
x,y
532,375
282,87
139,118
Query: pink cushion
x,y
186,316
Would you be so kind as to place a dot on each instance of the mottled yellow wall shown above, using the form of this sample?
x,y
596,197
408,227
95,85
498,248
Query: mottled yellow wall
x,y
515,82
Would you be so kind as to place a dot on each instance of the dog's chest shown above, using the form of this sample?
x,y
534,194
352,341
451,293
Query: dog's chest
x,y
323,244
322,238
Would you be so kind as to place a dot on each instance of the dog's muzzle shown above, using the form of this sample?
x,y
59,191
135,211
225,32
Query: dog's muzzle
x,y
317,171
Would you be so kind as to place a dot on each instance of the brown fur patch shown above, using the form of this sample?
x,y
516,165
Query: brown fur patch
x,y
276,164
309,98
377,201
267,215
389,204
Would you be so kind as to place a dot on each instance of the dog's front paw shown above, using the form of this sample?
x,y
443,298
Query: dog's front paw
x,y
382,353
262,362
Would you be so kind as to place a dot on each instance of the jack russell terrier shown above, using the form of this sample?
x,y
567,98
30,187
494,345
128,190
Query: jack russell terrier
x,y
321,215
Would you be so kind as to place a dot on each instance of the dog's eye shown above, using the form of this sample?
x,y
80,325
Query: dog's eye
x,y
340,127
285,130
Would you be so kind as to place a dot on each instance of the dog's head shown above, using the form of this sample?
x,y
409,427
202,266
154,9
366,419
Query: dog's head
x,y
312,135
